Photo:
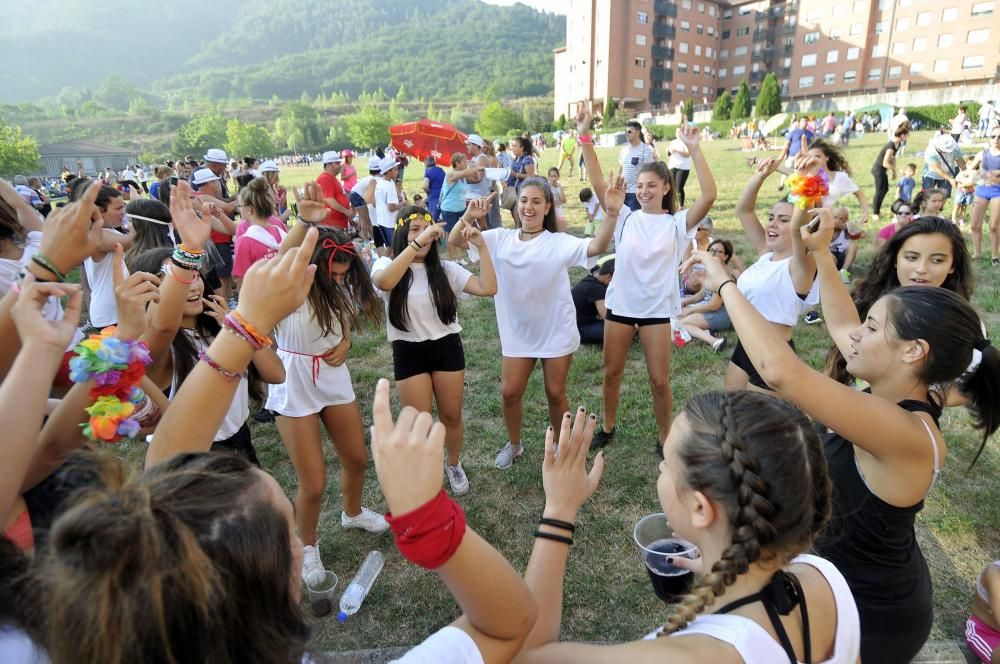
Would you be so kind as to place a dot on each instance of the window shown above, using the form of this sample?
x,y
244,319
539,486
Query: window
x,y
850,75
724,54
899,48
728,13
686,4
878,51
709,51
696,69
977,36
682,67
857,29
829,79
853,53
725,34
808,60
919,44
638,84
875,74
924,18
742,32
905,3
711,11
895,71
973,61
640,40
700,29
940,66
836,33
945,41
711,31
756,66
701,7
640,63
682,47
902,25
983,8
643,18
884,5
723,72
787,62
860,7
697,49
839,10
740,50
811,37
685,26
739,70
880,27
805,81
745,9
814,15
916,68
680,87
949,15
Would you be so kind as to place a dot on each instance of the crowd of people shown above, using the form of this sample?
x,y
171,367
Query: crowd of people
x,y
207,292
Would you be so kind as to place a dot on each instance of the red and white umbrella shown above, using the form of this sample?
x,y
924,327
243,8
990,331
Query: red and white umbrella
x,y
428,138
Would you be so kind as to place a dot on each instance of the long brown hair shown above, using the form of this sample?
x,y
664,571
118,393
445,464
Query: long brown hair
x,y
348,303
661,171
188,562
760,459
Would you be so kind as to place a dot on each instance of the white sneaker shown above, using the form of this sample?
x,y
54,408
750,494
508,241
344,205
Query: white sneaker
x,y
457,479
312,567
507,455
368,520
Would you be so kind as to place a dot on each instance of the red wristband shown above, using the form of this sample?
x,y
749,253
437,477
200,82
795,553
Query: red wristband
x,y
429,535
586,138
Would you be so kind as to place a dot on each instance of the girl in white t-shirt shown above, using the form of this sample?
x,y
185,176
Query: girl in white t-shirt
x,y
97,268
421,293
644,293
826,156
313,343
534,306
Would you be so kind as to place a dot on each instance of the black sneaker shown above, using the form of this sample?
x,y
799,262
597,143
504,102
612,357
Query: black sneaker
x,y
658,449
602,438
813,317
264,416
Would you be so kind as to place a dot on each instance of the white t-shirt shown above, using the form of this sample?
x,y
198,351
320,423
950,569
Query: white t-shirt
x,y
239,407
360,187
385,193
535,313
841,185
768,286
594,208
448,645
631,160
422,317
100,276
675,160
648,251
840,242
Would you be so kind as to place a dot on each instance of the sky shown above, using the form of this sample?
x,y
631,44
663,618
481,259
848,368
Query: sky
x,y
552,6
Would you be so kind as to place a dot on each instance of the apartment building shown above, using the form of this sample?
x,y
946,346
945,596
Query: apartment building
x,y
651,55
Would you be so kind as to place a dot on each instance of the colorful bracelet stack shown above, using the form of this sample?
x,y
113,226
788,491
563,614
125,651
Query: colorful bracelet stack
x,y
807,191
239,326
187,259
116,367
228,375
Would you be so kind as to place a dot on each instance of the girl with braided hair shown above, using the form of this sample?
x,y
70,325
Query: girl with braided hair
x,y
884,445
744,479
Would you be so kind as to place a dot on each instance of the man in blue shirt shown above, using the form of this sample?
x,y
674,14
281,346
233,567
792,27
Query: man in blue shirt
x,y
433,179
798,140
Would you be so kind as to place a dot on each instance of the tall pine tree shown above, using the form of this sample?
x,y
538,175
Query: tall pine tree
x,y
741,105
769,99
723,108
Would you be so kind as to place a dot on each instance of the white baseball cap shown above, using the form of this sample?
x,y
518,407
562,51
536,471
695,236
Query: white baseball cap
x,y
269,166
387,165
332,157
474,139
216,156
202,176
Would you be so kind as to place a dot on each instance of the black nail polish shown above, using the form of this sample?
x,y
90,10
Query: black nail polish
x,y
670,561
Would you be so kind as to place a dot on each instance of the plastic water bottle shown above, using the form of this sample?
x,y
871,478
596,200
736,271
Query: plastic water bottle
x,y
361,585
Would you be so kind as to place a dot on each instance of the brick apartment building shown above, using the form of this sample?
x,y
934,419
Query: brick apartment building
x,y
650,55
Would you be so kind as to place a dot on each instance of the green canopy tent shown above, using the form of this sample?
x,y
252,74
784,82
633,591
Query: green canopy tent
x,y
885,112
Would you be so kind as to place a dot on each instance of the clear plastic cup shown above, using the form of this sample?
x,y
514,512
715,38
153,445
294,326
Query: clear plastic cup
x,y
321,595
855,229
657,543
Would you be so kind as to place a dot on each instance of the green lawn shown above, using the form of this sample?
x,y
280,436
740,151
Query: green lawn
x,y
607,593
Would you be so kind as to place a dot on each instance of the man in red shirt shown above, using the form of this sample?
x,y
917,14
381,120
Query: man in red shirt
x,y
337,203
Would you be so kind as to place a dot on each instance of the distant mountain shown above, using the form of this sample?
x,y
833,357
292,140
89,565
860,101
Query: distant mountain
x,y
259,48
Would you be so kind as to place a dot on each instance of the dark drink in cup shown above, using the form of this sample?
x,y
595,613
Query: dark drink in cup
x,y
321,607
670,582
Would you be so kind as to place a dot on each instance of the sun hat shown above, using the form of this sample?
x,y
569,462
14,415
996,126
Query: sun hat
x,y
269,166
216,156
203,176
387,165
474,139
331,157
944,143
347,153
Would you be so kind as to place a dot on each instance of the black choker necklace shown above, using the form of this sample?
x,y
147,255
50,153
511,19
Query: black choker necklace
x,y
530,233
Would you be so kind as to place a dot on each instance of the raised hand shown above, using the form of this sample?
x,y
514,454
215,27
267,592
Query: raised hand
x,y
565,479
818,233
690,136
408,454
614,197
806,164
274,288
432,233
73,232
715,270
767,166
310,203
216,307
27,216
583,120
132,295
33,327
473,235
479,207
194,230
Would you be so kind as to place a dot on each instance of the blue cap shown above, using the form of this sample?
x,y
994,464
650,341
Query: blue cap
x,y
342,617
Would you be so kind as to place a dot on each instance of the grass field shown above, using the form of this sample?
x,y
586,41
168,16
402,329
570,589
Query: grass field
x,y
608,597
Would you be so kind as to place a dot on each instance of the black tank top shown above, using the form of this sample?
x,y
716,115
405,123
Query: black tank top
x,y
870,541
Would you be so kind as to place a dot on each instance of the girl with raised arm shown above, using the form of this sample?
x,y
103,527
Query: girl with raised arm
x,y
885,448
421,293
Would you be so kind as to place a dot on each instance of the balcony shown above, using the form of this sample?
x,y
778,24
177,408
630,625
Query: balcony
x,y
665,8
789,48
660,74
657,96
663,53
662,30
758,56
756,76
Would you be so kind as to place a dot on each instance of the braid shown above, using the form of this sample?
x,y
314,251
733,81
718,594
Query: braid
x,y
820,481
751,526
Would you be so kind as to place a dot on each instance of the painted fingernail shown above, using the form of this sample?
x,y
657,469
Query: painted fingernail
x,y
566,416
593,416
582,409
550,427
670,561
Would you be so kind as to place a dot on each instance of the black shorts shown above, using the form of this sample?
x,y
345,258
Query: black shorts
x,y
382,236
412,358
641,322
356,200
226,254
742,360
239,443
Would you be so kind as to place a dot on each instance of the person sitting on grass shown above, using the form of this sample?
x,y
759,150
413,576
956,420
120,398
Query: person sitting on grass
x,y
588,299
902,213
982,629
704,316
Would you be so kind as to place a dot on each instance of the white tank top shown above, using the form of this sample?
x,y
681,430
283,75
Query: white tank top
x,y
768,285
756,646
103,309
239,409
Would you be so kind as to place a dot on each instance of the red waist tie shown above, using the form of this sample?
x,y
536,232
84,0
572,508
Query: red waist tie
x,y
316,359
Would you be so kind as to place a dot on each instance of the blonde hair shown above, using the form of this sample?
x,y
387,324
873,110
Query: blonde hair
x,y
259,196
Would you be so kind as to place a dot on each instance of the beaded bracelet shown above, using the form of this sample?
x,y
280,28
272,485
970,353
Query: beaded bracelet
x,y
228,375
238,324
42,261
192,252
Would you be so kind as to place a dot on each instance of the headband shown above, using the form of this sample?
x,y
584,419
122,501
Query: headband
x,y
416,215
149,219
347,248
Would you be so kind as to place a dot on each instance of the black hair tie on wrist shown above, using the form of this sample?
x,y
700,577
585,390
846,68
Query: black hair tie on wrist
x,y
555,538
556,523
